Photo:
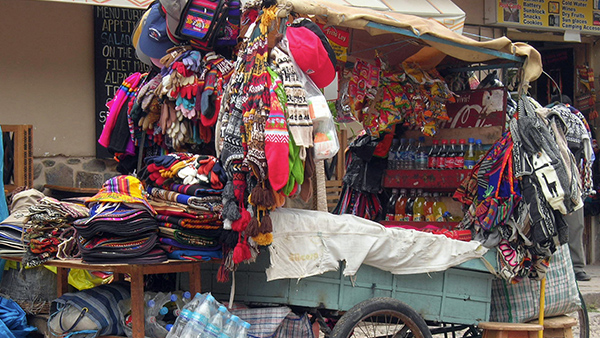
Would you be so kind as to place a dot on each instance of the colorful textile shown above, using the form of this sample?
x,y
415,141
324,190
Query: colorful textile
x,y
122,189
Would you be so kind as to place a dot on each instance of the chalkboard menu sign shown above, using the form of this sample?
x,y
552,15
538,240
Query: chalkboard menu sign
x,y
114,58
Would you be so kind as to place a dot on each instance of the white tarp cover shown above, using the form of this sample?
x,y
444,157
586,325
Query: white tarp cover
x,y
443,11
308,243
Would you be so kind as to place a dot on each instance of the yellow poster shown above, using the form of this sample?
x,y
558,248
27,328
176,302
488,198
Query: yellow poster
x,y
580,15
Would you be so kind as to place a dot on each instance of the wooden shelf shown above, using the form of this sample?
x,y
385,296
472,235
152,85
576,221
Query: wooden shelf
x,y
426,179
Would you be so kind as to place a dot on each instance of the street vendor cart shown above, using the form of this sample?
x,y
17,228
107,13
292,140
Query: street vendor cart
x,y
381,301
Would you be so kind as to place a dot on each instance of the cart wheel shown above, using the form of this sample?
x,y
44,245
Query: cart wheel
x,y
584,320
381,317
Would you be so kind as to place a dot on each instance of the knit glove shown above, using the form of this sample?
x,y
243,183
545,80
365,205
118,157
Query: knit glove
x,y
192,61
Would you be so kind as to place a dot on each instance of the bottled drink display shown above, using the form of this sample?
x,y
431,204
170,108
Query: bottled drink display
x,y
390,210
428,208
433,154
408,215
418,206
459,155
450,155
401,206
421,155
392,163
479,152
439,208
401,154
470,155
410,154
441,157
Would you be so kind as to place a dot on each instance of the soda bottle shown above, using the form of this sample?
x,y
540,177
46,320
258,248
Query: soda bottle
x,y
450,154
421,157
410,154
391,206
418,207
459,157
428,208
470,156
401,206
433,155
441,157
408,216
439,208
479,152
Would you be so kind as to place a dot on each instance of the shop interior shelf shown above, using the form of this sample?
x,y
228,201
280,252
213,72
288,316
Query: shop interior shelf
x,y
432,179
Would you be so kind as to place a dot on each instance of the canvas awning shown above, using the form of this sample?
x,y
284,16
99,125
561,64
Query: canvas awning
x,y
382,25
443,11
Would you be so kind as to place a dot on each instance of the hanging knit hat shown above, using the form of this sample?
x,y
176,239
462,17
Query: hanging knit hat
x,y
276,142
299,122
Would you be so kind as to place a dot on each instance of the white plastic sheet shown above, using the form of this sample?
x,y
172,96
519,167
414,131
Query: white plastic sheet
x,y
308,243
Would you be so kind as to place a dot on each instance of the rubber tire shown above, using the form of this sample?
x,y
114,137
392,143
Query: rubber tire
x,y
373,306
584,319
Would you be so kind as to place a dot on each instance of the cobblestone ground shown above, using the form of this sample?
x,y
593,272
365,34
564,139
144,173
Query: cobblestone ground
x,y
594,325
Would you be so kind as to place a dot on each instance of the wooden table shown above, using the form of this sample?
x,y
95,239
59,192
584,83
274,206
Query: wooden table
x,y
136,272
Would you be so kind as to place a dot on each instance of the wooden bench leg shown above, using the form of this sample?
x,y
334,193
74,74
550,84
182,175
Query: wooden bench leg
x,y
137,302
62,281
195,282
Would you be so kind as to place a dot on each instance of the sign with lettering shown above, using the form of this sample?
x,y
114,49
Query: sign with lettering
x,y
114,58
477,108
579,15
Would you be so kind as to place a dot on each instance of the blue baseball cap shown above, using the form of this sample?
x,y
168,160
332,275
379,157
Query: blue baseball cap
x,y
154,40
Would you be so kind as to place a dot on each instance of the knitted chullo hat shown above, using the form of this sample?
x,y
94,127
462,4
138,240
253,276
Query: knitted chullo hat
x,y
277,139
299,122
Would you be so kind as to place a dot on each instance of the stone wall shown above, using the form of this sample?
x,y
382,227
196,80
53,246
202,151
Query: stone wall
x,y
78,172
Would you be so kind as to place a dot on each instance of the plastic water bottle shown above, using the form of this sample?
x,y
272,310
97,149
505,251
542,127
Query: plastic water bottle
x,y
243,330
401,154
215,323
411,154
185,315
231,327
193,328
421,154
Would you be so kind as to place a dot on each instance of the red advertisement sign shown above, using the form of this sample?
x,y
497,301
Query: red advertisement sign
x,y
477,108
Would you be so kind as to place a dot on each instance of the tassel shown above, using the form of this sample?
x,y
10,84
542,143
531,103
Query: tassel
x,y
229,239
253,227
228,192
266,225
269,200
223,274
241,223
231,210
238,254
246,251
257,196
263,239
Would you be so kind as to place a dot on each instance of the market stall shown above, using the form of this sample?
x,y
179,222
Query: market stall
x,y
223,134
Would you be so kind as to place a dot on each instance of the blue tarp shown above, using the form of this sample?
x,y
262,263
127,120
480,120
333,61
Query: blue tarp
x,y
13,322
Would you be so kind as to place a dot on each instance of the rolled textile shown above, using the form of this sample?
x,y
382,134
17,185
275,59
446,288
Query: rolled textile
x,y
193,189
190,222
174,245
189,238
198,255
